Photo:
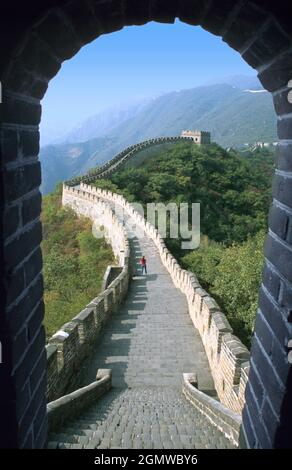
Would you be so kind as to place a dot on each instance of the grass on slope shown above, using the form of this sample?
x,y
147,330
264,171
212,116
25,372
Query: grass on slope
x,y
74,262
234,191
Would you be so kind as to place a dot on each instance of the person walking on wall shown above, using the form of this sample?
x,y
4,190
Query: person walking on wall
x,y
143,264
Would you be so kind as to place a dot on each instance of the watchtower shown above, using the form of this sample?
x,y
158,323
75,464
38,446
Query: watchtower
x,y
199,137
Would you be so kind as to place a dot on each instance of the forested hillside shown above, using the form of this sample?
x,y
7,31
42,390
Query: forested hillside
x,y
233,116
235,193
74,262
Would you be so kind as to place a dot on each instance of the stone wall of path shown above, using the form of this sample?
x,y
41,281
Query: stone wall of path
x,y
67,349
228,357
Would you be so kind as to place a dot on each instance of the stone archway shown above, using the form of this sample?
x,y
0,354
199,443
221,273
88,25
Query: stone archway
x,y
36,40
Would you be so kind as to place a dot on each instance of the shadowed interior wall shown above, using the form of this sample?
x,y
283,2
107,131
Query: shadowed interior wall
x,y
35,39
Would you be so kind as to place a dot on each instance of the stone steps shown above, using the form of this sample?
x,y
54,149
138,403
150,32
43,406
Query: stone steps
x,y
141,418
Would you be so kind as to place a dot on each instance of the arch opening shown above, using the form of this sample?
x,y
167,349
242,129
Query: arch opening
x,y
263,38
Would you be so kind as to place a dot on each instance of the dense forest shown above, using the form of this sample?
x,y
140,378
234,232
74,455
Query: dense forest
x,y
74,262
234,191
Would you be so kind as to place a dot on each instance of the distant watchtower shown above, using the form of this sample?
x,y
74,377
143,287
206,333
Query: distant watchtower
x,y
199,137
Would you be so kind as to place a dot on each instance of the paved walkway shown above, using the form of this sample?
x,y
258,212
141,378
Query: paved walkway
x,y
148,344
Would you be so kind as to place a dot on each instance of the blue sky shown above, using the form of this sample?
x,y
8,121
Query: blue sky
x,y
133,63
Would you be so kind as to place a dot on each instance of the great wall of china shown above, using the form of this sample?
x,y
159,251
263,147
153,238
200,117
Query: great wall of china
x,y
218,397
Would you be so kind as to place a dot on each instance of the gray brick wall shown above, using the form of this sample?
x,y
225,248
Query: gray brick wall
x,y
34,42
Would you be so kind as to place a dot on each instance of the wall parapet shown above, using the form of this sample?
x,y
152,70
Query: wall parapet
x,y
72,405
227,356
71,344
122,158
220,416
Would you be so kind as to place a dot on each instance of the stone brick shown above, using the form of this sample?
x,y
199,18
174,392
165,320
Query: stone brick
x,y
22,180
285,128
278,74
271,281
26,83
82,17
279,221
271,41
23,245
281,103
136,12
109,14
20,345
279,255
12,220
29,143
32,267
282,189
246,24
34,323
32,354
273,386
262,438
215,19
22,399
274,316
31,208
41,428
15,285
257,386
32,409
39,371
270,419
284,157
191,11
248,428
285,298
56,31
28,441
164,11
9,145
20,312
264,333
20,112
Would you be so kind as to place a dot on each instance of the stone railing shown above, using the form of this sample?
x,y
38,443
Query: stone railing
x,y
219,415
122,158
228,357
67,349
72,405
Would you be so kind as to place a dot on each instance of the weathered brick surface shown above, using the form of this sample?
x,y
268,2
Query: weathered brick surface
x,y
27,64
20,112
277,75
65,354
268,45
245,25
21,180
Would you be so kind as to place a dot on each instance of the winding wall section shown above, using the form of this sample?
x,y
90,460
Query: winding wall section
x,y
228,357
126,157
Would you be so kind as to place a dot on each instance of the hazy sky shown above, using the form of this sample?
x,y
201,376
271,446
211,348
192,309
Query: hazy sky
x,y
133,63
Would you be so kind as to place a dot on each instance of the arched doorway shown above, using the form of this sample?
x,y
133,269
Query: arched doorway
x,y
36,40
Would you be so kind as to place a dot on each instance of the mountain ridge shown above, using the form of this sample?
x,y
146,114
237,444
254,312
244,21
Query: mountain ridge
x,y
232,115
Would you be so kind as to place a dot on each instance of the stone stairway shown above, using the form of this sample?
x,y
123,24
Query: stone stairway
x,y
140,418
148,345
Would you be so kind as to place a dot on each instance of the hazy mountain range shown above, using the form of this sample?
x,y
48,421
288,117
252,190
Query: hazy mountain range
x,y
235,113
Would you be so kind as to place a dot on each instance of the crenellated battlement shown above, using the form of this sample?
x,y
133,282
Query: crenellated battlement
x,y
227,356
71,344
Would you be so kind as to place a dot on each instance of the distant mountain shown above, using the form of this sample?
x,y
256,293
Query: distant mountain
x,y
59,162
98,125
234,116
239,81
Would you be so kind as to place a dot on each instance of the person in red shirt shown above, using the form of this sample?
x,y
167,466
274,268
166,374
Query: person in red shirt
x,y
143,264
